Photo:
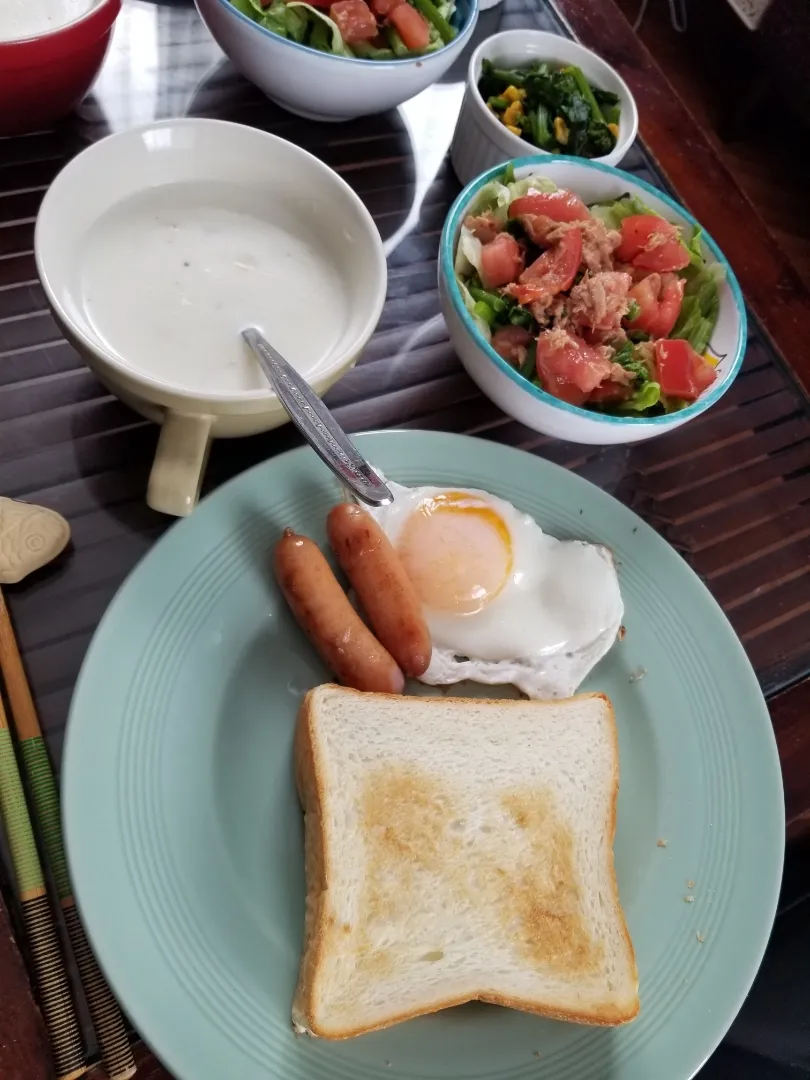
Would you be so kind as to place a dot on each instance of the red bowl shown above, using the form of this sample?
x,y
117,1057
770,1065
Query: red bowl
x,y
42,78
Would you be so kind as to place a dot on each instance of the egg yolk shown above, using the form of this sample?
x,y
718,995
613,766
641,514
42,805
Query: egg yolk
x,y
457,551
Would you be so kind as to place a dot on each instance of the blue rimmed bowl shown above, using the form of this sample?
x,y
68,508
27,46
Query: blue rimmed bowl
x,y
525,402
319,85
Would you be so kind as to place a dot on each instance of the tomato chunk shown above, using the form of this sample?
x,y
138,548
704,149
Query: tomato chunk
x,y
557,205
659,296
411,25
651,243
354,20
551,273
513,344
569,368
681,371
502,261
381,8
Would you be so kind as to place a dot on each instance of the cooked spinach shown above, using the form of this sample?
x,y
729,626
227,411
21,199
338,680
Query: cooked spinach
x,y
557,110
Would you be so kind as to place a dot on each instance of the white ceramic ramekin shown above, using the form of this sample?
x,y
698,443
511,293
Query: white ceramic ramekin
x,y
481,140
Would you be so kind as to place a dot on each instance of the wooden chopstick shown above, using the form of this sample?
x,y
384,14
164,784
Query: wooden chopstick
x,y
50,974
116,1051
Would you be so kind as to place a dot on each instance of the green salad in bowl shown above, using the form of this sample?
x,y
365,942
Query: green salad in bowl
x,y
377,30
607,306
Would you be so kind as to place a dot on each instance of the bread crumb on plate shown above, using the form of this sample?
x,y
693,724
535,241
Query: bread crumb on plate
x,y
701,938
661,843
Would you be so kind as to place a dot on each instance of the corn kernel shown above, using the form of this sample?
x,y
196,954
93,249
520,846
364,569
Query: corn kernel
x,y
512,112
560,130
512,93
514,130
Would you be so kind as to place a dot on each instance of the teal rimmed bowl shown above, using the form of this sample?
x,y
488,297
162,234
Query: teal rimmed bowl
x,y
527,403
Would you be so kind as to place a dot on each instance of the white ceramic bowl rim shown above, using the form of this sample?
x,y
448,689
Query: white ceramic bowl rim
x,y
447,265
152,383
488,47
422,59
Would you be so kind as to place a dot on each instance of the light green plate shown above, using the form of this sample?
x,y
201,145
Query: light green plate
x,y
185,836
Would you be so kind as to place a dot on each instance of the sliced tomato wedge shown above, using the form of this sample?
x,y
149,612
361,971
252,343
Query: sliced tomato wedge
x,y
569,368
551,273
651,243
411,25
502,261
681,371
557,205
660,297
513,344
354,20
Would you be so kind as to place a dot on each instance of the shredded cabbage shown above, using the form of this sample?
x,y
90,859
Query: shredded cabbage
x,y
468,253
496,196
614,212
469,303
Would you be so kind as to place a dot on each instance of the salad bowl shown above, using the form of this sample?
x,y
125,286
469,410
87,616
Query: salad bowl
x,y
723,341
328,85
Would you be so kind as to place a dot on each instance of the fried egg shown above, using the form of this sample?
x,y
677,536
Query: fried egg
x,y
504,601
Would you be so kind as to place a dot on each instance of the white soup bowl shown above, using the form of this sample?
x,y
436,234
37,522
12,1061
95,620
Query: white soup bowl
x,y
157,246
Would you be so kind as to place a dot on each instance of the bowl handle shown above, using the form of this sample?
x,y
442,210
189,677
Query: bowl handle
x,y
179,465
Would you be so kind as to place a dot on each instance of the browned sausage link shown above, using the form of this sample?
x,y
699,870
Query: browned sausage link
x,y
384,589
330,622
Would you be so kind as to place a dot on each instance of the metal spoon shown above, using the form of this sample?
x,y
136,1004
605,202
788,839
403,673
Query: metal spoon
x,y
315,422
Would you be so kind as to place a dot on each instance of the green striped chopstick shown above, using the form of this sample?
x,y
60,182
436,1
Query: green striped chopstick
x,y
116,1051
51,978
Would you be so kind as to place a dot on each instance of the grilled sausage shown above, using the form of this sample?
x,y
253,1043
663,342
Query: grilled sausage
x,y
383,588
330,622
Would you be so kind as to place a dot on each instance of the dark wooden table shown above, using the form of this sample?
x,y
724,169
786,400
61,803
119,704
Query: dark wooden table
x,y
731,491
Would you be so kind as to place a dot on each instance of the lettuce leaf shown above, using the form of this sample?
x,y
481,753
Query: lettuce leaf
x,y
644,398
248,7
496,196
614,212
339,47
701,305
694,247
469,303
468,253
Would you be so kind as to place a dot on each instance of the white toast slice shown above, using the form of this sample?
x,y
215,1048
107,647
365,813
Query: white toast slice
x,y
455,850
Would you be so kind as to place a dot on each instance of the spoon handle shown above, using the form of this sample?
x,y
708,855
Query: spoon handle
x,y
316,423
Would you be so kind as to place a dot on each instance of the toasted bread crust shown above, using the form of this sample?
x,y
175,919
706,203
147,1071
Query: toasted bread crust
x,y
309,779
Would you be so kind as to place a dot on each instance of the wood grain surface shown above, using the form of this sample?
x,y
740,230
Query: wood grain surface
x,y
731,491
769,281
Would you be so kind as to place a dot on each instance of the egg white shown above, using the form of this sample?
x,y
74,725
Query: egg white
x,y
557,614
